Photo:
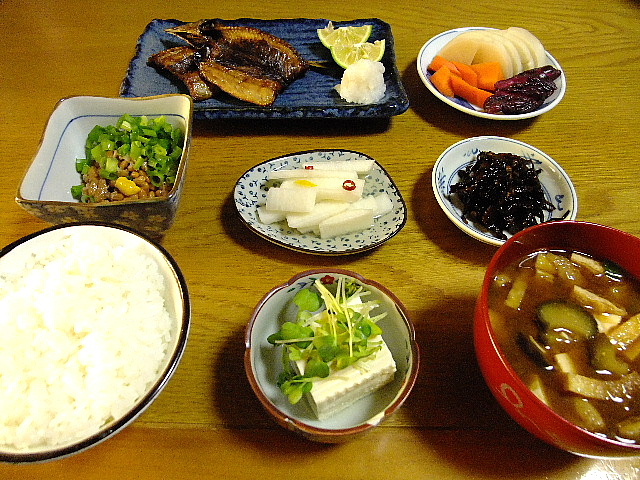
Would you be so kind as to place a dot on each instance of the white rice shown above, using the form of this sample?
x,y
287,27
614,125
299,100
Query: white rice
x,y
363,82
84,331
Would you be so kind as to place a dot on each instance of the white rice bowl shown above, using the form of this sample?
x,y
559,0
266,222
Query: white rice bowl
x,y
91,320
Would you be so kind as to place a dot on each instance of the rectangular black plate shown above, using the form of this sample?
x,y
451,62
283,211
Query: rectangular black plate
x,y
312,96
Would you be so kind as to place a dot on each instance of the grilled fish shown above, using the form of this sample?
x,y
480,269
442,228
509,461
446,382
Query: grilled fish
x,y
247,84
183,63
247,63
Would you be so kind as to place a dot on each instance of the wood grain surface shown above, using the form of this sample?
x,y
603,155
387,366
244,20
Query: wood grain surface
x,y
207,423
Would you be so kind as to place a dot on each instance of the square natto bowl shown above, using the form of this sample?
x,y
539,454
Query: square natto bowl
x,y
45,190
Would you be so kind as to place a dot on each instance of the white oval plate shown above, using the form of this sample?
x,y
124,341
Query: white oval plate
x,y
430,49
557,186
251,189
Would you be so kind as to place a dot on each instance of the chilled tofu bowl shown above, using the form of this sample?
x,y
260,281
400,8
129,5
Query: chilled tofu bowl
x,y
330,354
89,338
557,335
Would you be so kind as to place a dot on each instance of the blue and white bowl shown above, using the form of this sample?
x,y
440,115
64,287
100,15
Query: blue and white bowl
x,y
45,190
556,184
251,190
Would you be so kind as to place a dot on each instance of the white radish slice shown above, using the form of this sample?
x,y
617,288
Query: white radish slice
x,y
268,217
513,52
532,42
380,204
384,204
349,221
525,54
462,48
291,199
321,211
330,188
303,173
490,50
359,166
366,203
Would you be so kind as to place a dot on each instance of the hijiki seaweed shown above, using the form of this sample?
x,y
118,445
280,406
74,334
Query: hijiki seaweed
x,y
501,192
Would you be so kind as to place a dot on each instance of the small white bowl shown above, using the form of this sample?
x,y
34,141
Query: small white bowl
x,y
430,49
263,363
45,188
556,184
17,257
251,190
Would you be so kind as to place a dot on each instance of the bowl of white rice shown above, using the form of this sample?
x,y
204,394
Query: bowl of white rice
x,y
94,321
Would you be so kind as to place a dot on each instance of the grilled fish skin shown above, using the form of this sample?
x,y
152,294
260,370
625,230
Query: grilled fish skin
x,y
244,84
246,62
183,63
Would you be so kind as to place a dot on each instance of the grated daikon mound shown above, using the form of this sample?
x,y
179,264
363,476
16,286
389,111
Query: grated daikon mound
x,y
363,82
84,333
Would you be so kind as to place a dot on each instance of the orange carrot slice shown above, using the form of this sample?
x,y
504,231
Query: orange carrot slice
x,y
438,62
470,93
441,79
467,73
488,74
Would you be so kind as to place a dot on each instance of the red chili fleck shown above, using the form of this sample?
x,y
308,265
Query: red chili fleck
x,y
349,185
308,167
327,280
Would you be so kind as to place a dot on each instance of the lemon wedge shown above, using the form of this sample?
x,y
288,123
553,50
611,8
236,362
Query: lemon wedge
x,y
348,55
344,36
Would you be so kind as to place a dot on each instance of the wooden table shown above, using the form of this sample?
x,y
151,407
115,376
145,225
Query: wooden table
x,y
207,423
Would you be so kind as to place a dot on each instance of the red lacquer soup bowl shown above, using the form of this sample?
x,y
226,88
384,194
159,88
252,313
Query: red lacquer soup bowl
x,y
510,391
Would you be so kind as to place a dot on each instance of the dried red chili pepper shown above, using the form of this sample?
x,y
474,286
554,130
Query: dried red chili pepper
x,y
349,185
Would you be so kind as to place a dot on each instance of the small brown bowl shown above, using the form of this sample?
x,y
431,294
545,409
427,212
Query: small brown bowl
x,y
263,363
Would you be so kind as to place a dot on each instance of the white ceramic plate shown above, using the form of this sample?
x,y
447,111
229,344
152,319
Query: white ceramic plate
x,y
430,49
557,186
251,189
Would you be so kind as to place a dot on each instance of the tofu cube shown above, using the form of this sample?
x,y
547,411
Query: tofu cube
x,y
344,387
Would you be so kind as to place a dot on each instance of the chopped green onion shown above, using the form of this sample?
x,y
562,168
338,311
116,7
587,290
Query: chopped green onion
x,y
329,338
152,143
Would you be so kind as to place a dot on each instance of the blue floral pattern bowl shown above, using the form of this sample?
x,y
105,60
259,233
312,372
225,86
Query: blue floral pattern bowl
x,y
45,190
251,190
556,184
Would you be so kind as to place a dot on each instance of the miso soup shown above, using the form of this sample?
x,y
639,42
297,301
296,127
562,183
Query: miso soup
x,y
570,326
